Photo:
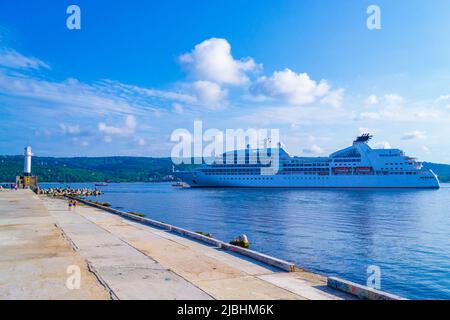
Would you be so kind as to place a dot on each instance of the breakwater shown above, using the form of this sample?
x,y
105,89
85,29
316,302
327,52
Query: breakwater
x,y
64,192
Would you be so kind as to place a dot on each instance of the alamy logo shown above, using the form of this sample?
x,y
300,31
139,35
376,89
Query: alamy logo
x,y
374,277
374,19
73,21
73,282
234,146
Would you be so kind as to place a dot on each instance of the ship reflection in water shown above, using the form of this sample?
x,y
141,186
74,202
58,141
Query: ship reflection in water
x,y
335,232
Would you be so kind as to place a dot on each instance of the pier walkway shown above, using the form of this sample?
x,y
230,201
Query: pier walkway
x,y
121,259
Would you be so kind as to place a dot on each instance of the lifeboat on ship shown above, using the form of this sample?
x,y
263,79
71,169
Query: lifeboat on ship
x,y
341,169
363,169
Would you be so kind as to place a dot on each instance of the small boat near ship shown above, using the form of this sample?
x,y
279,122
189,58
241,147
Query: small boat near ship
x,y
179,185
101,184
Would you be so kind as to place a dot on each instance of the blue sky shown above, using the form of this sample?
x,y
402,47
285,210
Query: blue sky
x,y
138,70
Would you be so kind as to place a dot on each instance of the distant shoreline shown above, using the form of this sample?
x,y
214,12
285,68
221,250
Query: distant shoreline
x,y
117,169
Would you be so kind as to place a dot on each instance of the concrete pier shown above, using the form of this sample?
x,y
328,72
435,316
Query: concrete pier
x,y
122,259
34,255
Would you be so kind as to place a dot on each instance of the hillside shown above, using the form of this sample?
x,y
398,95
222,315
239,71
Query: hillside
x,y
442,170
115,169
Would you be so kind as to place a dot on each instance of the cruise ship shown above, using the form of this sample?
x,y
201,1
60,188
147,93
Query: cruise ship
x,y
358,166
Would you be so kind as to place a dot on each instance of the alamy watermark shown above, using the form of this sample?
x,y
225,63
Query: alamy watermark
x,y
234,146
374,19
73,21
373,22
73,281
374,277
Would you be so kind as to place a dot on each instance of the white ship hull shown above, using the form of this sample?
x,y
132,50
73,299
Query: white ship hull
x,y
198,180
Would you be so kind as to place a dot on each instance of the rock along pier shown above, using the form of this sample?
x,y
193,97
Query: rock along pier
x,y
64,192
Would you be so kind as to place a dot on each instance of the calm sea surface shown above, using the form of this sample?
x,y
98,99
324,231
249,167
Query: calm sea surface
x,y
406,233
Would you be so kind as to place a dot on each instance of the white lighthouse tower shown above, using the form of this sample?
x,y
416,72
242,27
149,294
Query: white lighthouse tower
x,y
27,161
27,181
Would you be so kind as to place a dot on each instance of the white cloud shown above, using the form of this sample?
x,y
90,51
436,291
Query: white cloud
x,y
177,108
382,145
334,98
101,97
211,60
371,100
314,150
69,130
102,102
12,59
72,95
141,142
414,135
425,149
443,98
79,142
128,128
363,130
405,113
393,99
295,88
138,93
426,114
43,132
209,94
198,93
368,116
293,116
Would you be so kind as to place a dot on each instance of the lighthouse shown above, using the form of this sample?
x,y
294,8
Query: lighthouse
x,y
27,181
27,162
